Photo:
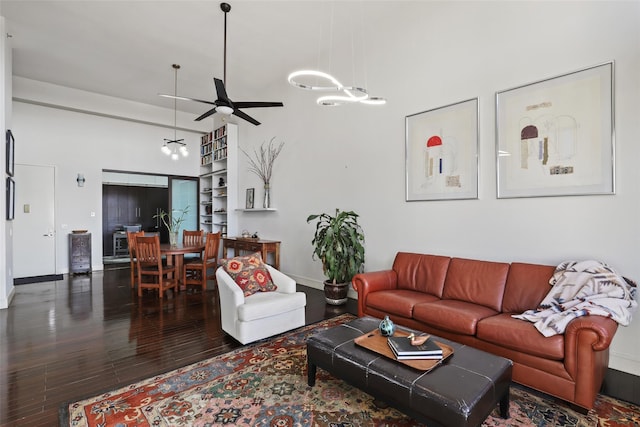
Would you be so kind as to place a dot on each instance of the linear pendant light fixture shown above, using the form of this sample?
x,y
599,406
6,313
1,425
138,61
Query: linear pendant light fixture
x,y
350,94
310,80
172,146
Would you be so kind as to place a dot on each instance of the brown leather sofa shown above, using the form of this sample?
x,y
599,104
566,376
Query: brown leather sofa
x,y
471,302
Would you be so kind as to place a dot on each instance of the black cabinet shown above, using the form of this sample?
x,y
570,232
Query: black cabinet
x,y
79,253
124,205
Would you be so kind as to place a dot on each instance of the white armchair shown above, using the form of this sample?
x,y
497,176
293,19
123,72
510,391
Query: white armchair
x,y
262,314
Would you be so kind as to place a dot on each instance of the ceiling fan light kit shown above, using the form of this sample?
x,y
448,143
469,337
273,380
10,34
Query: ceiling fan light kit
x,y
170,146
223,104
223,109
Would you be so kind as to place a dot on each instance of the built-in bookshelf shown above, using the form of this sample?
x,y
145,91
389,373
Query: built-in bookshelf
x,y
218,179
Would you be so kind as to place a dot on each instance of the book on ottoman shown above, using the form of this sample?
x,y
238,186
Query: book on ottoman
x,y
403,349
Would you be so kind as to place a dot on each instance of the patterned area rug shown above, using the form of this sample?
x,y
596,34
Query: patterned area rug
x,y
265,384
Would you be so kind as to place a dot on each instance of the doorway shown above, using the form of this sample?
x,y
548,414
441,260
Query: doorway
x,y
133,200
184,196
34,244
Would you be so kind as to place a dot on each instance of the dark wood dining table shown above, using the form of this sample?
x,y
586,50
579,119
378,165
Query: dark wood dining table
x,y
175,256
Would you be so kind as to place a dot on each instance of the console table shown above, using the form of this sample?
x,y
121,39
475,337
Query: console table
x,y
240,244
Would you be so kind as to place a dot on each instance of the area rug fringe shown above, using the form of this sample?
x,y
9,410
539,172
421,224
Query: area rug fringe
x,y
265,384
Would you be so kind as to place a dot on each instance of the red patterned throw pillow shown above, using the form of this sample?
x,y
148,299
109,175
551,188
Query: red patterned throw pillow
x,y
250,273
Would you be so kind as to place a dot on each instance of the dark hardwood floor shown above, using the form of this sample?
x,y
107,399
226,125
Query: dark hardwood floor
x,y
86,334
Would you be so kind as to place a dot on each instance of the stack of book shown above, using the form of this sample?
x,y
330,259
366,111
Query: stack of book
x,y
404,350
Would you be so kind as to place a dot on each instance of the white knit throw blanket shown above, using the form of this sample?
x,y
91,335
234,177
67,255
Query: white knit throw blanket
x,y
582,288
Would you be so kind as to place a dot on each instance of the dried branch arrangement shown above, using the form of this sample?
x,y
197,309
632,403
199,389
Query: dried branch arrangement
x,y
262,162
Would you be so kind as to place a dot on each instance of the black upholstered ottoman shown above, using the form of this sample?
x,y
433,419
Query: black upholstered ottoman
x,y
463,391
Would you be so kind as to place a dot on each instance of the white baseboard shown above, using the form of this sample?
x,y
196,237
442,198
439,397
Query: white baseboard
x,y
6,302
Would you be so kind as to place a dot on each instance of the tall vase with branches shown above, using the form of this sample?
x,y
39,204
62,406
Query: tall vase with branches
x,y
261,164
173,221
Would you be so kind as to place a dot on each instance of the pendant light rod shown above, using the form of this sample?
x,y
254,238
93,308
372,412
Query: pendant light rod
x,y
225,7
176,67
166,149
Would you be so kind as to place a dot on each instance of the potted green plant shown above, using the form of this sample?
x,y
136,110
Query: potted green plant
x,y
173,221
338,243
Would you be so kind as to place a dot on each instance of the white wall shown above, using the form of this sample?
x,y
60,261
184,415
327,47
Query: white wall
x,y
429,54
6,227
421,55
76,142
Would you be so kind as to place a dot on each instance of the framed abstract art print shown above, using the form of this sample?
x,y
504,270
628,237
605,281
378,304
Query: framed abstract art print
x,y
555,136
441,153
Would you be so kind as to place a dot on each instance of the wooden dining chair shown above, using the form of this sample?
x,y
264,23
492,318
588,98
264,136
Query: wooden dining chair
x,y
131,243
192,238
194,271
150,268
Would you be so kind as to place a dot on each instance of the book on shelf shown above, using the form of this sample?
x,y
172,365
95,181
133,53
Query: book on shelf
x,y
402,346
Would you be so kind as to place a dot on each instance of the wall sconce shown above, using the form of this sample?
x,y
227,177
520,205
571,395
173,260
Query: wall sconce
x,y
80,179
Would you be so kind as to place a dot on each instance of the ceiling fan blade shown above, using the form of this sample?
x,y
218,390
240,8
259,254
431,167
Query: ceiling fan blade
x,y
205,115
245,116
184,98
254,104
221,91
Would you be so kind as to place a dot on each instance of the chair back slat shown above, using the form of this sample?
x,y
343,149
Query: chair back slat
x,y
131,241
151,273
212,246
133,263
148,250
192,237
194,271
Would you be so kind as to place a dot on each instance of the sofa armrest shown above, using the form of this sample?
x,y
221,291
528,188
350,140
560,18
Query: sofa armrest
x,y
364,283
231,297
594,331
587,341
230,292
285,284
374,281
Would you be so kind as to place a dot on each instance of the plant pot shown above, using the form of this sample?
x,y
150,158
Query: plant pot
x,y
335,293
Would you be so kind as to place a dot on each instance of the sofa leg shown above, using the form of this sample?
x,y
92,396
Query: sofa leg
x,y
578,409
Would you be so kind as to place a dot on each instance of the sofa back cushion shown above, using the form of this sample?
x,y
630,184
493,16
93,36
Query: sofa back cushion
x,y
479,282
527,285
419,272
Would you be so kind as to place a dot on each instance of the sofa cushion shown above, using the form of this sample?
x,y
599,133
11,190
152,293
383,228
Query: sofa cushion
x,y
452,315
480,282
418,272
249,273
399,302
520,335
527,285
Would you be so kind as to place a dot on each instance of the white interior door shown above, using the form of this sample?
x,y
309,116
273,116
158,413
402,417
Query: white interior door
x,y
34,240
